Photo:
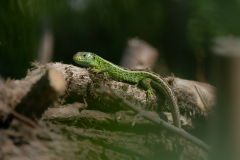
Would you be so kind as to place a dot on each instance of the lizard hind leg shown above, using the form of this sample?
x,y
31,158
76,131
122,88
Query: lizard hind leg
x,y
146,83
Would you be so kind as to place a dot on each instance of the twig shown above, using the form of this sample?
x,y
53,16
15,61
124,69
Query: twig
x,y
154,119
24,119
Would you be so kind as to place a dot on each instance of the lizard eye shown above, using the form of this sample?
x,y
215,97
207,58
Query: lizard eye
x,y
84,55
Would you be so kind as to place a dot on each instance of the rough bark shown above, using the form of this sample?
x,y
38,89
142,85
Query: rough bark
x,y
194,99
106,129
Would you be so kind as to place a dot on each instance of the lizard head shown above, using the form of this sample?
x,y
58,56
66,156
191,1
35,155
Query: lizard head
x,y
85,59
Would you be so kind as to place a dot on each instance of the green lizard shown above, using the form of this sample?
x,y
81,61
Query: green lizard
x,y
146,78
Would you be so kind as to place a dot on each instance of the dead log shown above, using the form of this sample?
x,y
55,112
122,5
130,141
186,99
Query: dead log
x,y
194,98
80,86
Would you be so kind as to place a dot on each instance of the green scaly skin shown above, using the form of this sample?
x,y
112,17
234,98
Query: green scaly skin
x,y
146,78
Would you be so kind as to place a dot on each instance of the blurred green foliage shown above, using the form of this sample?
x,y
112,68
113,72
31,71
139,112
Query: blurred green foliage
x,y
177,28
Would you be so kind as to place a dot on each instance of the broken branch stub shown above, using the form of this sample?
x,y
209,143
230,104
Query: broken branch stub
x,y
42,93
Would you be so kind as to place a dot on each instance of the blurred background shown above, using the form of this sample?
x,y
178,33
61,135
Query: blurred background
x,y
182,31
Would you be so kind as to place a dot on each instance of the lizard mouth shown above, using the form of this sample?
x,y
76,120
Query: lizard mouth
x,y
75,58
81,61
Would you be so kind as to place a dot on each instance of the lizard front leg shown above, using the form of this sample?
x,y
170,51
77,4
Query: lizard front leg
x,y
100,70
